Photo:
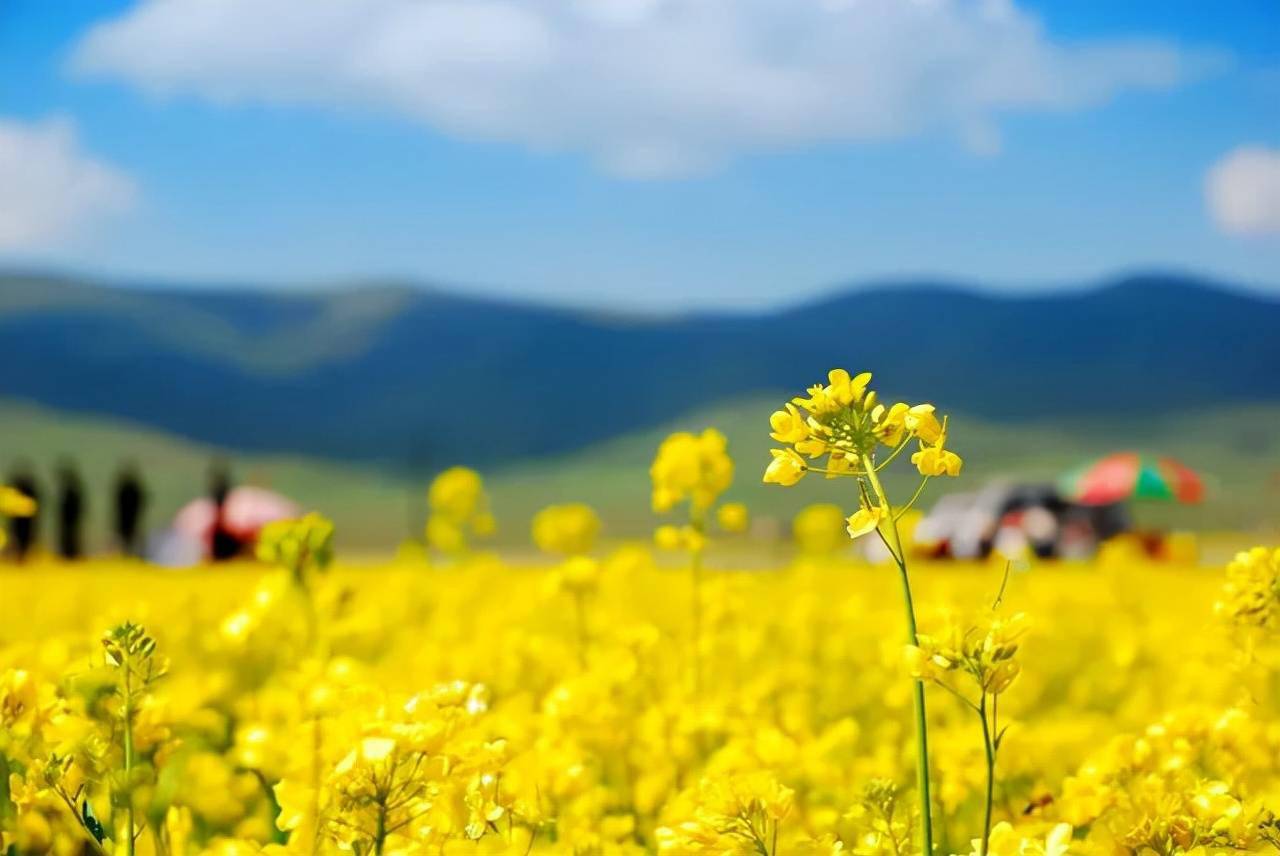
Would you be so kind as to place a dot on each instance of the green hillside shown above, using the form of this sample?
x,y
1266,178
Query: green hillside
x,y
1237,449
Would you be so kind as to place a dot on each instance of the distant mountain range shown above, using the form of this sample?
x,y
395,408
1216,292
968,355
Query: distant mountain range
x,y
414,378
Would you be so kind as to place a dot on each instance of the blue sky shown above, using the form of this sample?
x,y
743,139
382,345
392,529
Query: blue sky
x,y
656,159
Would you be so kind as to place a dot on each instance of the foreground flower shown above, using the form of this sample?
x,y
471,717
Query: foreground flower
x,y
1005,841
846,424
843,435
739,813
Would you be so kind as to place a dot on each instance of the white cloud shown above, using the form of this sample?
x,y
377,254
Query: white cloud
x,y
1243,191
644,87
49,187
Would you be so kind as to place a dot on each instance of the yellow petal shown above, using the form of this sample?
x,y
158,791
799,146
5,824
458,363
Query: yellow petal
x,y
864,520
376,748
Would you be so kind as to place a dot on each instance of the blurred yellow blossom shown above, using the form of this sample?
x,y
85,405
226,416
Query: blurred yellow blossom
x,y
458,509
566,529
693,467
733,517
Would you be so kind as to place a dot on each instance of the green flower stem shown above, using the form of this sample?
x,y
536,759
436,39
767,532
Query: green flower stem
x,y
990,749
911,502
380,833
922,722
128,757
316,743
895,453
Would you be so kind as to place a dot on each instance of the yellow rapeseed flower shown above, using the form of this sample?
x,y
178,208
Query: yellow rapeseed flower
x,y
935,460
566,530
786,469
693,467
866,519
458,509
788,425
921,421
733,517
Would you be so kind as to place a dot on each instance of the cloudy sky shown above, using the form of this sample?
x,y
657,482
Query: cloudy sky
x,y
656,153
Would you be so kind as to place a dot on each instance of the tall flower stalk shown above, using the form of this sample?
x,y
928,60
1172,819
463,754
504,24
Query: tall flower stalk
x,y
132,654
692,468
839,430
888,532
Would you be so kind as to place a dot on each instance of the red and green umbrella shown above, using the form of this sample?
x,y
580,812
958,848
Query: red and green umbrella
x,y
1129,475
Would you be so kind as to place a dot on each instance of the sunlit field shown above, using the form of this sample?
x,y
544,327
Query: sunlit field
x,y
1136,717
650,697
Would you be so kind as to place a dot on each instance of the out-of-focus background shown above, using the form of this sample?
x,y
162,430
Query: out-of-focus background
x,y
331,249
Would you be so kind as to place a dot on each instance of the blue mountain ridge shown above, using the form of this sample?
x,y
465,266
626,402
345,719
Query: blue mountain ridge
x,y
416,378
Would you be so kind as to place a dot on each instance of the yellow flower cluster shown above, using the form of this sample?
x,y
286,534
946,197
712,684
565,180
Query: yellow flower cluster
x,y
1251,595
392,710
693,467
1185,784
458,509
845,422
984,650
687,538
1005,841
304,546
733,517
736,813
566,530
570,530
395,774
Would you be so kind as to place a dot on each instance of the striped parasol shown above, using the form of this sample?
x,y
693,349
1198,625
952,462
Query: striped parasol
x,y
1130,475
